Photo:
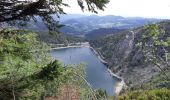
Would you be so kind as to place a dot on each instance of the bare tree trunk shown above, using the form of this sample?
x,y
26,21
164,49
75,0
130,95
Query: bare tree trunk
x,y
162,70
13,87
13,92
164,61
166,56
87,84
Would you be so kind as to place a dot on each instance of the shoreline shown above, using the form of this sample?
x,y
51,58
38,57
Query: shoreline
x,y
66,47
119,85
99,56
84,44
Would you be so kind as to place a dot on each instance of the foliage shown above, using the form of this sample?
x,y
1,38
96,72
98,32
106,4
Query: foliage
x,y
42,83
108,45
155,46
101,32
157,94
27,71
59,38
25,10
18,49
149,47
21,56
100,94
159,81
77,77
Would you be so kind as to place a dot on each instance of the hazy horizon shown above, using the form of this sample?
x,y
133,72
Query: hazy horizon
x,y
130,8
93,14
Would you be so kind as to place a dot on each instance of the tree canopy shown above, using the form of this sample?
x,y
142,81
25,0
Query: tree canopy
x,y
25,10
28,72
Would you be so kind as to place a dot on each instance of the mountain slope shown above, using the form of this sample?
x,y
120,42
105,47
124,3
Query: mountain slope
x,y
59,38
126,60
157,94
89,23
81,25
102,32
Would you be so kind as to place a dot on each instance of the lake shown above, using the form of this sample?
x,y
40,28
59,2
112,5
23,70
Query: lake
x,y
97,73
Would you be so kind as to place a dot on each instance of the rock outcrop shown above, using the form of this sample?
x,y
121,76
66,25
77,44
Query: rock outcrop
x,y
124,58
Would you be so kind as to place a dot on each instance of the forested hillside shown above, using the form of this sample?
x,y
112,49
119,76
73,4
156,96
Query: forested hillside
x,y
140,56
127,60
98,33
27,71
58,38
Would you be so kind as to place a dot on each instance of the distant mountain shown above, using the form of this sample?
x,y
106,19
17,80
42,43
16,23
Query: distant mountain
x,y
80,25
98,33
43,33
70,30
67,17
85,24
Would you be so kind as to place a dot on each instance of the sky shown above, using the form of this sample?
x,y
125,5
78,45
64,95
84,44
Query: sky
x,y
128,8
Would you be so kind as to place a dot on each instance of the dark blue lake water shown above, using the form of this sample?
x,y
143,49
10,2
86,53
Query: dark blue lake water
x,y
97,74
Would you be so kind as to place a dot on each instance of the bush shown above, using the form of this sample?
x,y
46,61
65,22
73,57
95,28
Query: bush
x,y
156,94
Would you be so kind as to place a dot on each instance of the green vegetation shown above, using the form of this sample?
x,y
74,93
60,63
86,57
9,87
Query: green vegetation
x,y
159,81
28,72
141,57
19,61
58,38
157,94
29,10
108,45
101,32
155,46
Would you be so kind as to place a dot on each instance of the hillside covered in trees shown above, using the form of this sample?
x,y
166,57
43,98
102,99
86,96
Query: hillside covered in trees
x,y
59,38
28,72
141,68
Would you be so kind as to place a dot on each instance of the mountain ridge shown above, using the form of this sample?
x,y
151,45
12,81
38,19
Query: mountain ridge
x,y
88,23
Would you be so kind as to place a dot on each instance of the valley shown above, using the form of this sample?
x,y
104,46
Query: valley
x,y
116,48
119,52
84,50
106,48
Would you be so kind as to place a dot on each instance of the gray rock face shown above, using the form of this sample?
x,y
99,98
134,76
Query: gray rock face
x,y
124,58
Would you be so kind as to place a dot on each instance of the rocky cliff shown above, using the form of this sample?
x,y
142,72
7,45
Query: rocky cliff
x,y
124,58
